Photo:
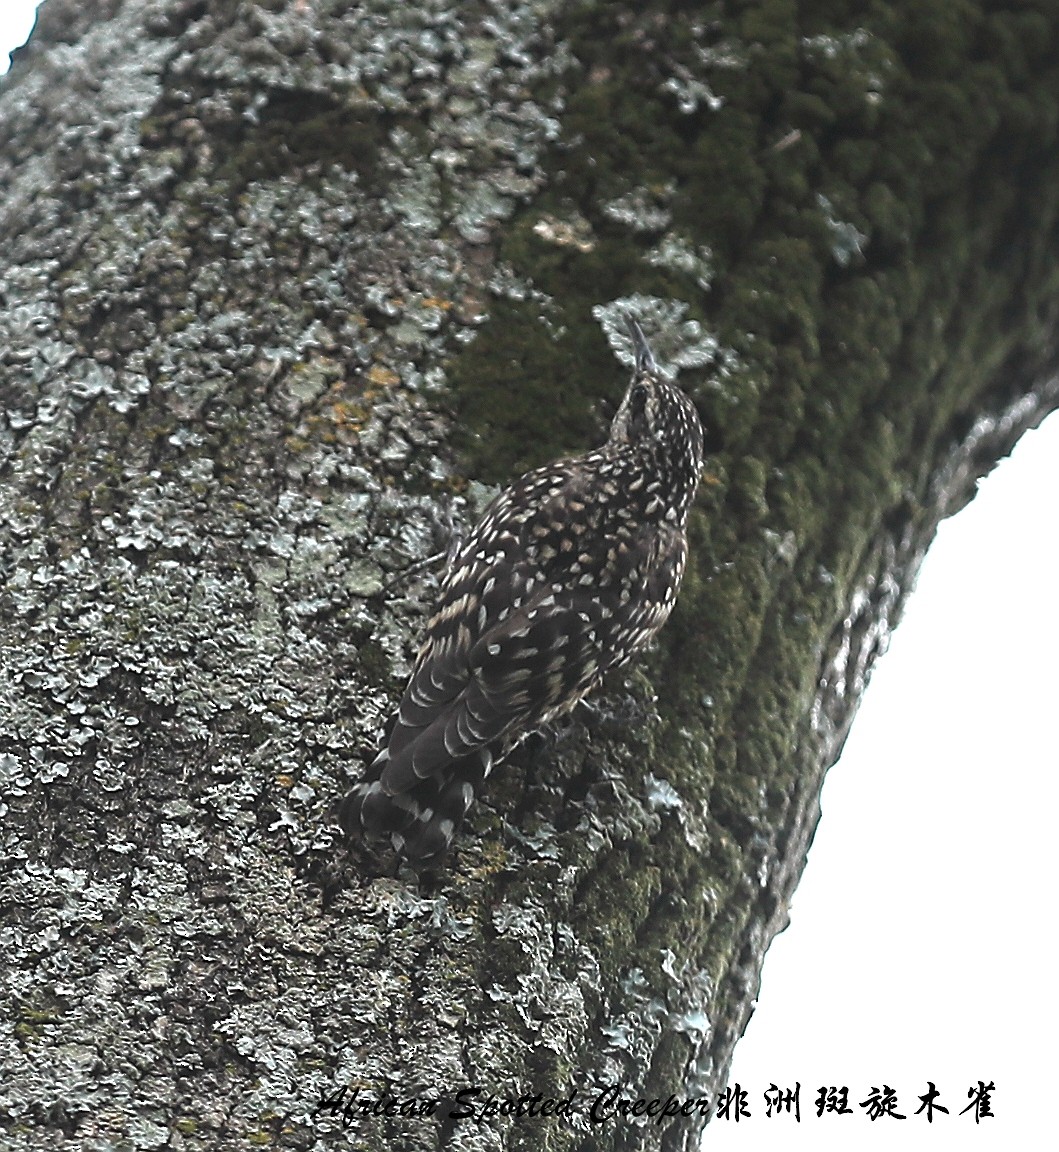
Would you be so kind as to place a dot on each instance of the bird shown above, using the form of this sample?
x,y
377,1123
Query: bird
x,y
570,571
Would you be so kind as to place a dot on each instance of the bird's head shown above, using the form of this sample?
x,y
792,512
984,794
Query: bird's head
x,y
655,414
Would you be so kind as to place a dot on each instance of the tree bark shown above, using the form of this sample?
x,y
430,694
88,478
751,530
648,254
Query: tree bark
x,y
283,284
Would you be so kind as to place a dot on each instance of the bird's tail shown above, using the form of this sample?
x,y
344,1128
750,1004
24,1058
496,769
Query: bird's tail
x,y
422,821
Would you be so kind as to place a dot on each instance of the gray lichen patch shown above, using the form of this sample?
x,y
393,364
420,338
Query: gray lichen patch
x,y
235,260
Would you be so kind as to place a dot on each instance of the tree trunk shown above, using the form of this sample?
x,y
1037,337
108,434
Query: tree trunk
x,y
282,283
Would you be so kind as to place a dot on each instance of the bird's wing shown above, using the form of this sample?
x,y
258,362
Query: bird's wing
x,y
544,596
465,696
535,607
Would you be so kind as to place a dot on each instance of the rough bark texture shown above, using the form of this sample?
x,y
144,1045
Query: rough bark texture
x,y
280,282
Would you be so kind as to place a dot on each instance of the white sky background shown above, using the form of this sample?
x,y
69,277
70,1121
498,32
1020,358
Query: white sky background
x,y
16,20
921,944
